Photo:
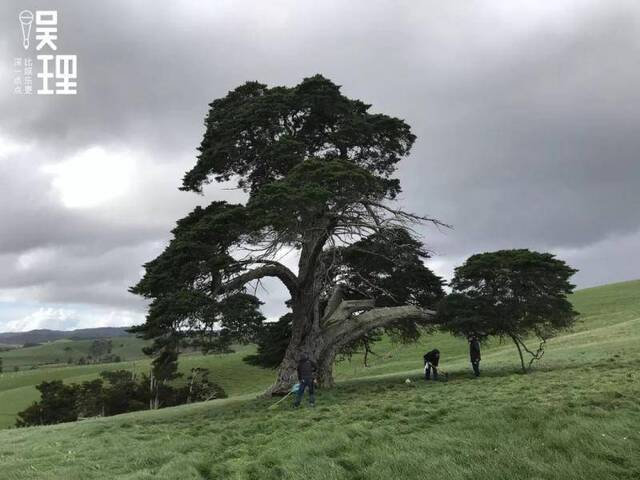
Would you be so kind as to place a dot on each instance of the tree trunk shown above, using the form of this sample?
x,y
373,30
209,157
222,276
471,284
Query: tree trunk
x,y
325,366
303,340
306,336
321,341
515,340
319,350
287,371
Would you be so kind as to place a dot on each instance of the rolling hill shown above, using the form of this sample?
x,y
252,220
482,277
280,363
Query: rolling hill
x,y
62,352
44,335
575,416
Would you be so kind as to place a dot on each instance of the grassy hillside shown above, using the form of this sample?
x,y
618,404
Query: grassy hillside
x,y
17,389
61,351
576,416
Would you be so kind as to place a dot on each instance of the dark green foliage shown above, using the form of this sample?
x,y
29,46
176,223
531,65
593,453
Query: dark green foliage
x,y
242,322
272,341
123,393
314,189
100,347
90,398
389,266
198,249
259,134
512,294
110,358
165,366
180,281
58,404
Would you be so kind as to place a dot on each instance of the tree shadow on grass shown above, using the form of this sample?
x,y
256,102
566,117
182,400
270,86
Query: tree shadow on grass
x,y
396,381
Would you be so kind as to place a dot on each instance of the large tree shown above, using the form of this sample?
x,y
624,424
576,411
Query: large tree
x,y
317,168
512,294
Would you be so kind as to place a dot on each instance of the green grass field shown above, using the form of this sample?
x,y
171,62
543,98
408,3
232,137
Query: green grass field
x,y
17,389
61,351
576,416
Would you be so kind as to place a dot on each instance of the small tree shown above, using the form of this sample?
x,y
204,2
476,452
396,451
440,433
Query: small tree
x,y
57,405
510,294
199,388
90,399
164,369
122,393
100,347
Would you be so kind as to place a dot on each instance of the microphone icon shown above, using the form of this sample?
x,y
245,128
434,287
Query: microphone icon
x,y
26,19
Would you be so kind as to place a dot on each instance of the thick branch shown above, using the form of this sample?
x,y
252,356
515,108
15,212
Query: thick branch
x,y
271,269
310,253
346,308
334,302
344,327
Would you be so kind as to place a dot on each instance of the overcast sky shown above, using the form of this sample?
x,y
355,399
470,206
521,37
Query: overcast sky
x,y
526,114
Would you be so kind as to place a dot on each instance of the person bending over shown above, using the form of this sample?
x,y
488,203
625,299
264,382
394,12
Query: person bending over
x,y
431,360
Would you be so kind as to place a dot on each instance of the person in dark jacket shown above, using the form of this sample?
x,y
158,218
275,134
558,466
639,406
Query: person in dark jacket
x,y
306,371
474,354
431,360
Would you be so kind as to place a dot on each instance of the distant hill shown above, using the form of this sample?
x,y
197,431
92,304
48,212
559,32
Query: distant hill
x,y
44,335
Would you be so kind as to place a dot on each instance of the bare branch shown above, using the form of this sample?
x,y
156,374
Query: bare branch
x,y
537,355
407,216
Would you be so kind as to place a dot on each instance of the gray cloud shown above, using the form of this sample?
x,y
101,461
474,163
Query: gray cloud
x,y
525,115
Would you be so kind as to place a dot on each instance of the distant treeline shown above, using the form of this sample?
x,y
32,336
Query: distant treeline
x,y
114,393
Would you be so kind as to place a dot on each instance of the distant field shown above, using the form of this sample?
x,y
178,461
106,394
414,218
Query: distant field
x,y
577,416
17,389
61,351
